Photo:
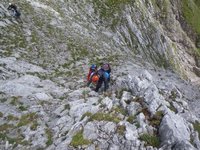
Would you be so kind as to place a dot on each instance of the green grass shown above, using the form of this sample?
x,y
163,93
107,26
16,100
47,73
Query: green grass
x,y
12,118
191,11
156,119
104,117
150,140
22,108
15,100
34,125
27,119
1,114
78,140
131,119
49,137
120,110
5,127
121,129
18,140
108,8
196,126
88,114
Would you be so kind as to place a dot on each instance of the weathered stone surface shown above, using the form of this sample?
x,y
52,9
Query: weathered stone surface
x,y
90,131
131,132
173,129
45,60
108,103
133,108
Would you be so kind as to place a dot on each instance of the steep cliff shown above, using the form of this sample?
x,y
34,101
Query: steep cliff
x,y
153,99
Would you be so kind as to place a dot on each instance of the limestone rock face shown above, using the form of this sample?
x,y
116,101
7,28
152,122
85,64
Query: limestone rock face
x,y
153,98
174,131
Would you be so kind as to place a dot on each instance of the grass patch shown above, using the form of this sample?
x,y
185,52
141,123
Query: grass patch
x,y
121,129
88,114
131,119
78,140
104,117
196,126
12,118
172,108
107,8
191,11
5,127
49,137
67,106
150,140
27,119
1,114
19,140
156,119
22,108
34,126
119,110
15,100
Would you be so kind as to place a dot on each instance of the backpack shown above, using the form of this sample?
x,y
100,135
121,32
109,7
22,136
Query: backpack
x,y
106,75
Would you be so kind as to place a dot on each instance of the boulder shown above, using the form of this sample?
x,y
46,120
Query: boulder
x,y
174,130
90,131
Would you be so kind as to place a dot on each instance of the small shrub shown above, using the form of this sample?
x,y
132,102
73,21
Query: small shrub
x,y
78,140
22,108
151,140
173,95
137,125
67,106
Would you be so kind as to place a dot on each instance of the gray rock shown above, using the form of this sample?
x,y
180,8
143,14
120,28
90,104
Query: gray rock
x,y
91,147
77,110
133,108
196,71
113,147
107,102
174,129
90,131
131,132
183,145
93,100
126,98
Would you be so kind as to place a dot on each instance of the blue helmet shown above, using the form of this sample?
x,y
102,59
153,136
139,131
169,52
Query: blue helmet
x,y
93,67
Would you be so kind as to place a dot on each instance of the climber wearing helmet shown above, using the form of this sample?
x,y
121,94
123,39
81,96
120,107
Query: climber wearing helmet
x,y
13,7
92,76
104,77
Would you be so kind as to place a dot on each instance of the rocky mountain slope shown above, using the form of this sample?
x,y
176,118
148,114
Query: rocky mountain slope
x,y
153,99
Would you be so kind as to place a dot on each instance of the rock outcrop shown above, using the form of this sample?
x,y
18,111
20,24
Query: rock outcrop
x,y
153,98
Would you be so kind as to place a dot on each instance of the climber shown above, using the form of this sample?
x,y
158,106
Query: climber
x,y
13,8
92,76
104,77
